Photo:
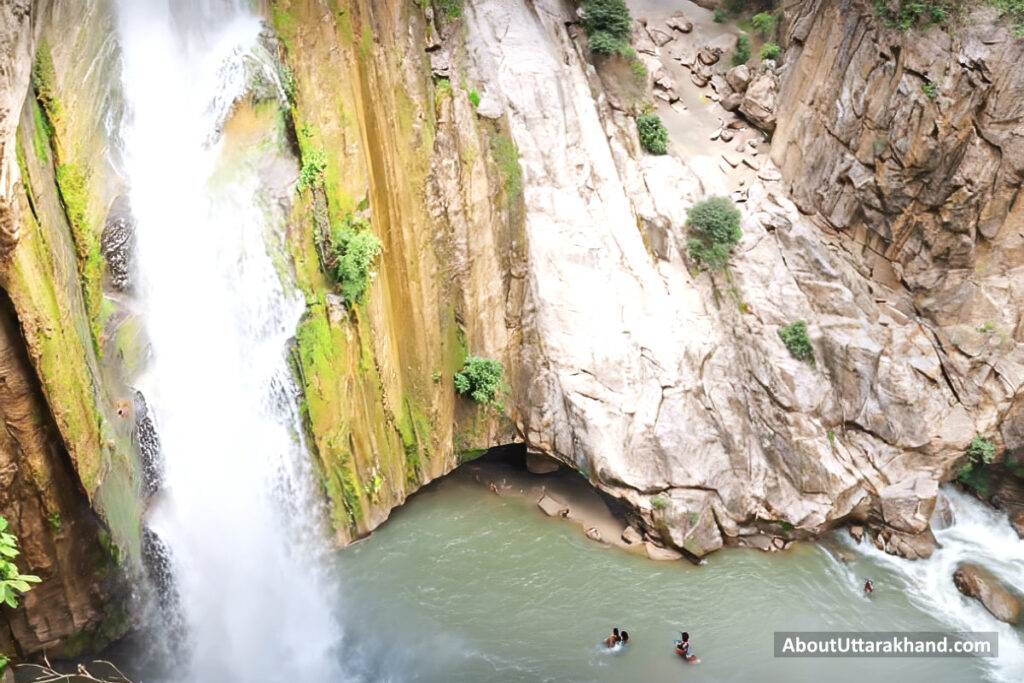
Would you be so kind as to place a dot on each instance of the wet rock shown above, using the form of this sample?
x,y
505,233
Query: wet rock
x,y
907,505
943,516
1017,522
552,507
679,22
738,78
593,534
657,552
977,582
118,243
758,542
630,536
539,463
857,532
910,546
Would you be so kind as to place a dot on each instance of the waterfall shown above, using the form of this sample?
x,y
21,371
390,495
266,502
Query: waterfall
x,y
239,511
981,536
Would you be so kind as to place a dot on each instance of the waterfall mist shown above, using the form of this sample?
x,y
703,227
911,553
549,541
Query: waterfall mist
x,y
239,511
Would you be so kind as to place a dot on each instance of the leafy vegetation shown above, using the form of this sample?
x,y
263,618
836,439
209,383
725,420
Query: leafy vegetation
x,y
742,50
653,134
715,223
480,380
763,22
44,82
353,249
1015,10
608,25
442,89
659,502
973,475
929,90
313,165
719,16
907,14
474,97
13,583
770,51
794,336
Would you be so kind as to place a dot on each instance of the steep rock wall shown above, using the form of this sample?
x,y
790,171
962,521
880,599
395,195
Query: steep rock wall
x,y
68,447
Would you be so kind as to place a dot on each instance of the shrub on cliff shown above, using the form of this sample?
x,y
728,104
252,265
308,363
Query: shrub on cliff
x,y
480,380
653,134
980,452
794,336
12,582
763,22
715,225
907,14
608,26
313,164
354,248
742,50
770,51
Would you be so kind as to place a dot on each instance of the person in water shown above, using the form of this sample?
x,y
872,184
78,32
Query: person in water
x,y
683,645
869,588
614,639
624,638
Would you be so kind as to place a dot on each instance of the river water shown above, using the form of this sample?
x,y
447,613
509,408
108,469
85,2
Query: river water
x,y
460,585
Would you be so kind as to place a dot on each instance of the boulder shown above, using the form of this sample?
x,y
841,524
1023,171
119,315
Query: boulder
x,y
759,101
910,546
538,463
976,582
942,516
656,552
857,532
738,77
642,41
679,22
593,534
630,536
489,107
1017,522
708,56
552,507
660,38
731,102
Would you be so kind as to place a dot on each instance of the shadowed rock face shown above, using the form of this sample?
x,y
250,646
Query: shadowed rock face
x,y
42,499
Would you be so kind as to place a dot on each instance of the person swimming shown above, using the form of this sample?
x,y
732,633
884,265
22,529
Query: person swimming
x,y
614,639
624,638
683,648
869,588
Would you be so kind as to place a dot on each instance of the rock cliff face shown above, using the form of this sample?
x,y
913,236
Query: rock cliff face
x,y
65,451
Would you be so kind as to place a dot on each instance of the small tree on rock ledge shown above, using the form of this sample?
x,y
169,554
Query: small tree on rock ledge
x,y
480,380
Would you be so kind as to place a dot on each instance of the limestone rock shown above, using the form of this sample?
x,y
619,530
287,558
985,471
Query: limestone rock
x,y
553,507
731,102
679,22
943,516
660,38
656,552
593,534
630,536
759,100
738,78
490,107
977,582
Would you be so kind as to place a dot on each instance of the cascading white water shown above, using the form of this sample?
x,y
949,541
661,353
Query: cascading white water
x,y
238,509
980,536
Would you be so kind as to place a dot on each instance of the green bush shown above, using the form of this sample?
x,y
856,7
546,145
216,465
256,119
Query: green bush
x,y
717,219
981,451
313,165
653,134
770,51
930,90
716,226
474,97
907,14
719,17
1015,10
480,380
742,50
763,23
794,336
12,582
354,248
659,502
608,26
